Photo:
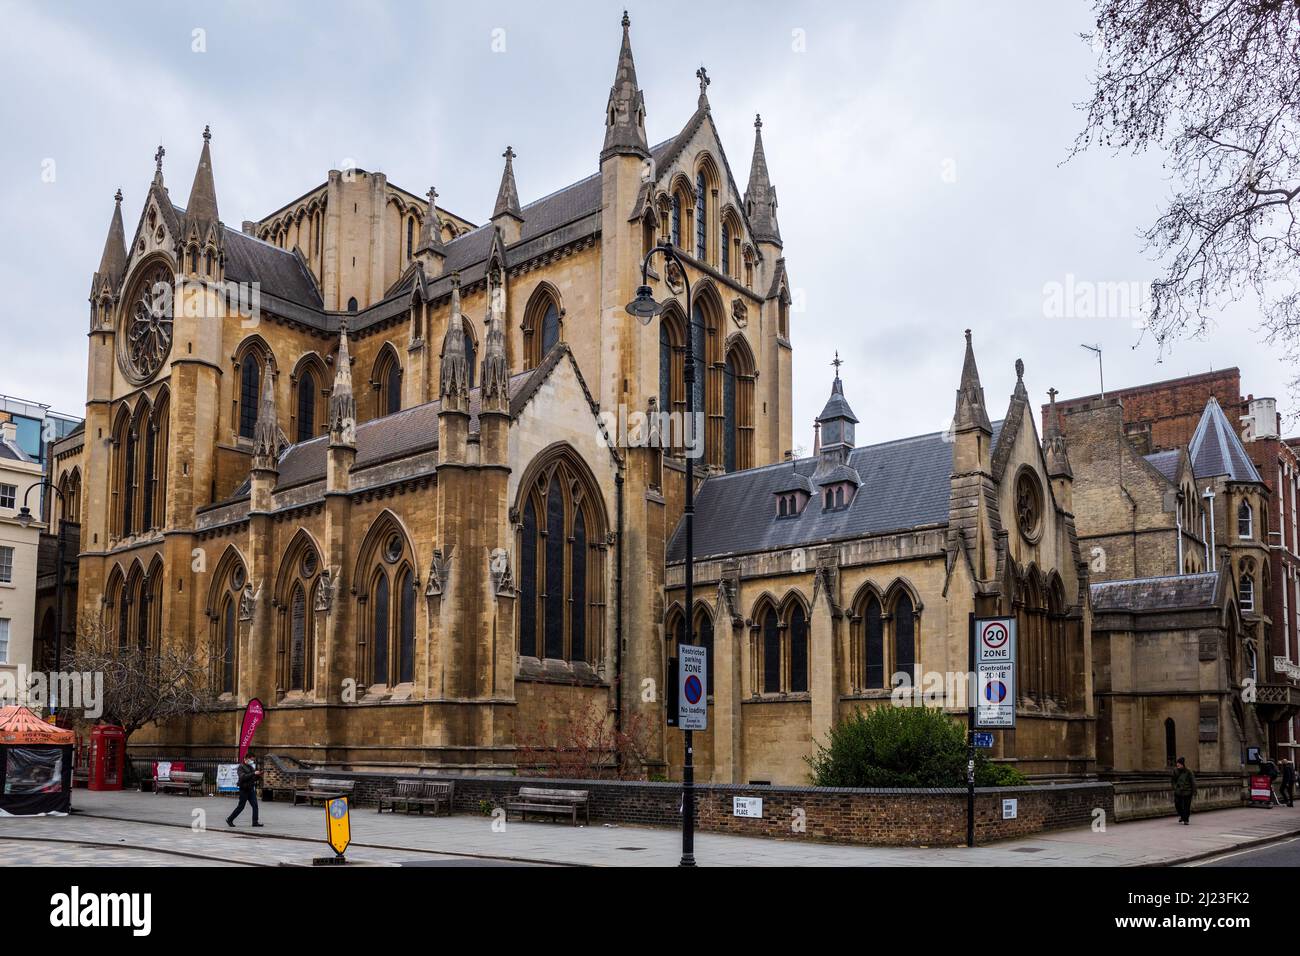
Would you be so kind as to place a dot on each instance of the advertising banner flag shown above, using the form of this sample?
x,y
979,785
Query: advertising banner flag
x,y
253,714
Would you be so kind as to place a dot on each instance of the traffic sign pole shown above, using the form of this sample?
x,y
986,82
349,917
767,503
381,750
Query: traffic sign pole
x,y
971,690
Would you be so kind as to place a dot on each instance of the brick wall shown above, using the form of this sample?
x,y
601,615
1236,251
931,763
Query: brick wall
x,y
875,817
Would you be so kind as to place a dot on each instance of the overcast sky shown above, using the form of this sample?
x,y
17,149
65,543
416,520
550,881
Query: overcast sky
x,y
917,149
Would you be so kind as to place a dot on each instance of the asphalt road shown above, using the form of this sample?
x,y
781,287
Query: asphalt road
x,y
1285,853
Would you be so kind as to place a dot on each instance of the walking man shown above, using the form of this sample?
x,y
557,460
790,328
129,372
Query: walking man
x,y
248,778
1184,791
1288,781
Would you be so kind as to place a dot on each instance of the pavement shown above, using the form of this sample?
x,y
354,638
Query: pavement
x,y
182,830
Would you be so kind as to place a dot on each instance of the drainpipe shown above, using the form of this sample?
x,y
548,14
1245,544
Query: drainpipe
x,y
1178,511
1209,499
618,608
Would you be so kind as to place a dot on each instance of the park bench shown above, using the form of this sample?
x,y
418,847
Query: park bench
x,y
189,781
417,793
548,802
322,788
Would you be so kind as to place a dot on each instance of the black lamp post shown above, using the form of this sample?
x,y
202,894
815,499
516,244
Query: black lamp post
x,y
645,308
25,519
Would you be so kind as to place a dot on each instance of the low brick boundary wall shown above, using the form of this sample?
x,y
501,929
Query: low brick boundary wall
x,y
1138,799
874,817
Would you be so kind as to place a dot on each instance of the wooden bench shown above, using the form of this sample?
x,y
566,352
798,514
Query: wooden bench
x,y
548,802
189,781
322,788
417,793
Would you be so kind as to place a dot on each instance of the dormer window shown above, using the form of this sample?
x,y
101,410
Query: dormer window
x,y
789,504
837,496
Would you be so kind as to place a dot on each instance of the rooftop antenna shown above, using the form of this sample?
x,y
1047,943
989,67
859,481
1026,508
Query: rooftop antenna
x,y
1100,374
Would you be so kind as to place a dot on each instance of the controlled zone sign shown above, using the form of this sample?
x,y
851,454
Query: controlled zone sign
x,y
692,681
995,672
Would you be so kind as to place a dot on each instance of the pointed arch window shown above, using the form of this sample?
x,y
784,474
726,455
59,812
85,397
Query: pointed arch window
x,y
150,463
250,387
701,216
297,637
410,236
905,636
676,233
307,392
1171,742
229,623
561,581
1245,521
771,637
729,414
471,360
388,385
129,483
725,248
798,650
541,325
406,627
1246,591
873,645
379,629
224,603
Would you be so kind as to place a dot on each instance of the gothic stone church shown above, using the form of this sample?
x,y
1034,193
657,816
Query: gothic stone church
x,y
382,501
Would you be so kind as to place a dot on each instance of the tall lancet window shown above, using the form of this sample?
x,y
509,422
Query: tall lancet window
x,y
701,216
561,561
307,390
250,386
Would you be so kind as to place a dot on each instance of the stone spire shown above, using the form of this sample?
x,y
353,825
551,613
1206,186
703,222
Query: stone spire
x,y
494,379
431,229
112,264
201,211
703,76
760,194
1054,445
343,404
970,412
454,379
508,195
266,432
625,114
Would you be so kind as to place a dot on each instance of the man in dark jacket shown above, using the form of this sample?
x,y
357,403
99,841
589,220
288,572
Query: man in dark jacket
x,y
248,777
1184,791
1288,781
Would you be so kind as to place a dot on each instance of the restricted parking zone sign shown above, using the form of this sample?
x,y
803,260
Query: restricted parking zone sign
x,y
995,672
692,684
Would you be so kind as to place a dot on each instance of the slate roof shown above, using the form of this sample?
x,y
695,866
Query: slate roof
x,y
399,435
1216,449
905,484
280,273
1166,462
1178,592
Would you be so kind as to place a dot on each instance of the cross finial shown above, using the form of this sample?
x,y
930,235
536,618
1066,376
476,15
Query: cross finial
x,y
758,121
158,157
627,22
837,362
118,197
1020,369
509,154
433,195
703,75
1051,395
207,133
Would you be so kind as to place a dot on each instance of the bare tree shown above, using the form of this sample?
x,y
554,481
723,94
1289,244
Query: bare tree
x,y
142,686
1216,83
587,746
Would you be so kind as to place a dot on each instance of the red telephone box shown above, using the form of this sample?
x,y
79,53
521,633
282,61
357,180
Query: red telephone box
x,y
107,757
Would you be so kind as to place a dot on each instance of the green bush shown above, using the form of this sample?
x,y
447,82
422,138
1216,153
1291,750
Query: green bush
x,y
903,747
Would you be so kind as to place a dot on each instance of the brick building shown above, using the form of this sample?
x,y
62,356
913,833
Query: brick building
x,y
1233,485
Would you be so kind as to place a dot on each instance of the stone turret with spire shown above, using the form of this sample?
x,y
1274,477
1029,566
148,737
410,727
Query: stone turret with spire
x,y
453,385
1056,455
972,493
494,379
835,430
430,252
342,420
506,214
202,233
625,113
971,411
760,194
104,287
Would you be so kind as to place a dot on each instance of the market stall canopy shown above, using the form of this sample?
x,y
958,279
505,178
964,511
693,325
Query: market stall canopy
x,y
18,725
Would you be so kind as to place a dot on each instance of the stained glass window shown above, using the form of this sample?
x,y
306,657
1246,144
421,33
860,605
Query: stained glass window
x,y
771,654
578,589
306,406
379,634
146,498
297,637
228,647
550,329
725,251
555,572
250,383
873,629
798,650
406,628
128,482
904,637
677,220
528,584
729,415
701,216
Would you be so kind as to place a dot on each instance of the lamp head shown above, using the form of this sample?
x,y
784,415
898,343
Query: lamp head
x,y
644,306
25,516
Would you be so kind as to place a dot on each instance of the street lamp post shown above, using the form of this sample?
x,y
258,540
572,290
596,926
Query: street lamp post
x,y
25,519
645,308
